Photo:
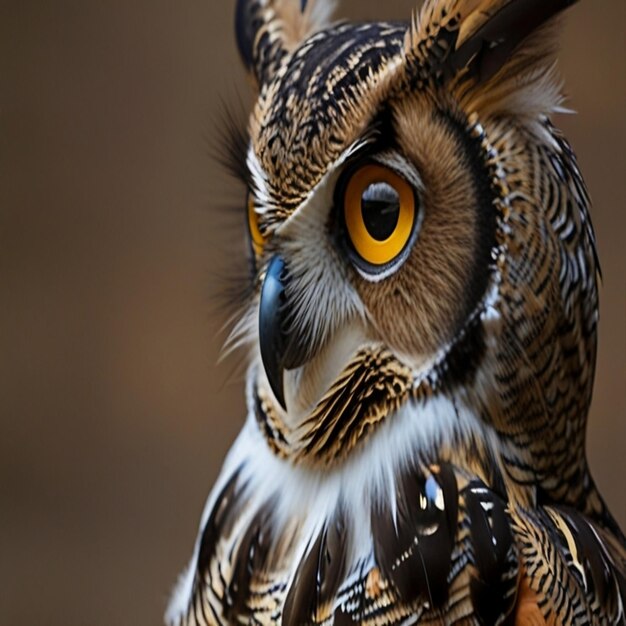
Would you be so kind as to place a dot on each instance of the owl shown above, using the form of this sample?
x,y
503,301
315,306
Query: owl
x,y
421,333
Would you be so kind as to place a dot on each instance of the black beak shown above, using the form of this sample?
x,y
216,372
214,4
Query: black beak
x,y
280,349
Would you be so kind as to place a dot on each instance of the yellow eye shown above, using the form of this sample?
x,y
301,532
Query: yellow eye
x,y
256,237
379,212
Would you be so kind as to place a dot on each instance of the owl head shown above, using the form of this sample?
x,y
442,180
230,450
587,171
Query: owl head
x,y
419,231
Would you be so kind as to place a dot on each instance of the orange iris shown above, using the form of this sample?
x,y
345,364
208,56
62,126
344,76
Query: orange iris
x,y
256,236
379,210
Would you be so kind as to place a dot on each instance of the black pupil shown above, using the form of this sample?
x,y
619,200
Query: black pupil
x,y
380,207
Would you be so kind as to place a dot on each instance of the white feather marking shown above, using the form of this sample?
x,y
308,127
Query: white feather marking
x,y
321,13
262,196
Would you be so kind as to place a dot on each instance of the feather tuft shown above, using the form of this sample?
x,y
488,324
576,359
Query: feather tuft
x,y
232,140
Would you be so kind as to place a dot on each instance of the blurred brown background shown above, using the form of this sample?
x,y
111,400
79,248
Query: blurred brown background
x,y
114,416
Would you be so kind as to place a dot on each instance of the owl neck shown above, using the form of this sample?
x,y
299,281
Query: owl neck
x,y
427,428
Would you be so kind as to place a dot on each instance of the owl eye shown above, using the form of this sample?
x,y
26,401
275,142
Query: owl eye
x,y
256,236
379,212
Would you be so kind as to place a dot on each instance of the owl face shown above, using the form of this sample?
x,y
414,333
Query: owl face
x,y
389,177
391,249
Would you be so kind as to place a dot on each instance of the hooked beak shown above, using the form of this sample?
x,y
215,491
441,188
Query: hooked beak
x,y
280,348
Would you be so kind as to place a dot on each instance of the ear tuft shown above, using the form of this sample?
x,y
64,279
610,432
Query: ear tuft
x,y
475,37
494,29
494,55
268,30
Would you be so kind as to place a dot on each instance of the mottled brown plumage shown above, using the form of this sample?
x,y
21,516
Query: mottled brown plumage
x,y
415,445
